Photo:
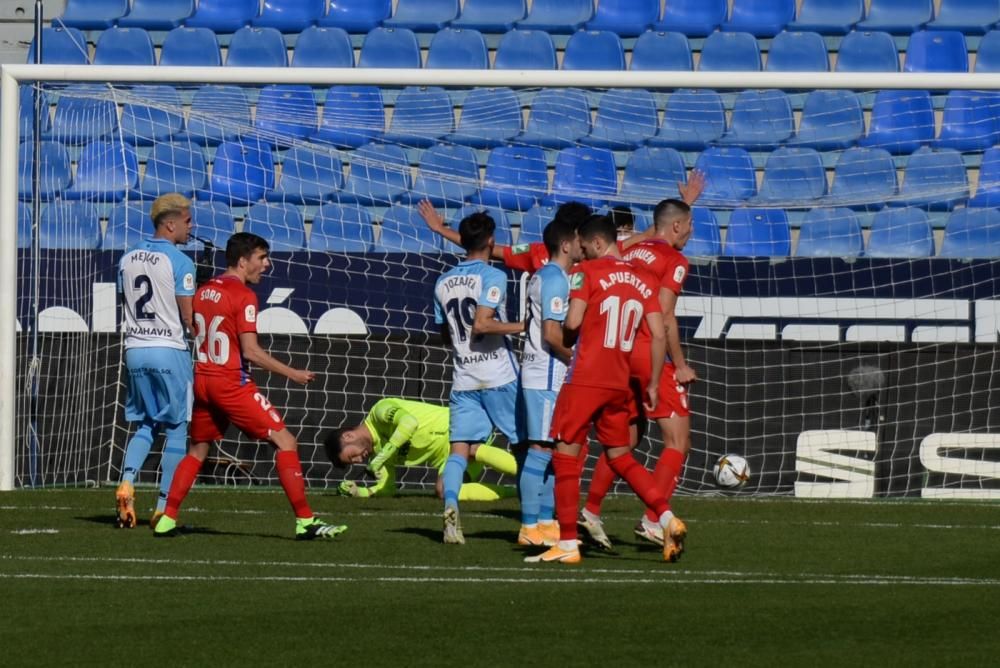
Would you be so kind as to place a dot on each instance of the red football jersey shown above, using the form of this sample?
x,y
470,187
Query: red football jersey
x,y
618,298
224,308
663,261
526,257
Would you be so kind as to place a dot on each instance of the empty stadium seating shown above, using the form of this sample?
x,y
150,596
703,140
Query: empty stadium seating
x,y
124,46
490,15
54,170
69,225
280,223
525,50
290,17
390,47
902,121
223,16
448,176
625,119
729,176
188,47
352,116
403,231
647,171
692,119
323,47
157,14
422,15
830,233
515,178
761,120
828,17
730,52
490,117
761,18
627,18
421,117
935,179
970,121
988,188
936,51
972,233
61,46
695,18
897,17
145,119
307,177
831,119
658,51
285,113
900,233
585,175
241,173
257,47
106,172
863,178
594,50
174,167
867,52
356,16
341,229
557,16
458,49
92,14
212,221
379,174
559,118
793,178
758,232
705,240
128,223
218,114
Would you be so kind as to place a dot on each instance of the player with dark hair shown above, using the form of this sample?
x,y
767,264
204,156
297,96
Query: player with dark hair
x,y
624,221
609,298
225,317
470,308
661,257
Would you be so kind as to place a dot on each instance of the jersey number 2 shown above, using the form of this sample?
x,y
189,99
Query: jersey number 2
x,y
218,343
622,322
145,284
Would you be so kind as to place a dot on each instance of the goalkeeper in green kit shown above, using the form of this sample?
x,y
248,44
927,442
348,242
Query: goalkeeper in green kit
x,y
399,432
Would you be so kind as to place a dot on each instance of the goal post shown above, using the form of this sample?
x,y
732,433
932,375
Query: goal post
x,y
725,324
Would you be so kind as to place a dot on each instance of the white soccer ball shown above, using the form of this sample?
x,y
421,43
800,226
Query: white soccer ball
x,y
732,471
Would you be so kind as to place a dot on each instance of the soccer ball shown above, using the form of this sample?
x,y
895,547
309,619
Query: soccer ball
x,y
731,471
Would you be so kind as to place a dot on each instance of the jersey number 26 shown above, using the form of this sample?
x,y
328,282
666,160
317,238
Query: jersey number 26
x,y
218,342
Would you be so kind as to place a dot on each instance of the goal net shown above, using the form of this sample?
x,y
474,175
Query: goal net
x,y
840,309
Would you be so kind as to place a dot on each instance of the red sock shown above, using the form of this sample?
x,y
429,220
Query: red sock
x,y
184,476
667,474
290,475
600,485
641,482
567,493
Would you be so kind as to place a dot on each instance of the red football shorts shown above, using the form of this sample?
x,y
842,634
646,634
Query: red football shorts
x,y
219,401
673,397
579,407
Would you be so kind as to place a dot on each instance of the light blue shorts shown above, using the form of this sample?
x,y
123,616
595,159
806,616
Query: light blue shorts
x,y
474,413
534,414
159,385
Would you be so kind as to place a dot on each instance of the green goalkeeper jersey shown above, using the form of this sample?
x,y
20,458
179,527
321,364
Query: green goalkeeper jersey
x,y
408,433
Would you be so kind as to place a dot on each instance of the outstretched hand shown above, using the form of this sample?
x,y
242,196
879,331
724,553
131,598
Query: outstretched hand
x,y
434,220
691,191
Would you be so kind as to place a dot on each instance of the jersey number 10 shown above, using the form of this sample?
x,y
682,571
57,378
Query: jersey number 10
x,y
621,323
218,343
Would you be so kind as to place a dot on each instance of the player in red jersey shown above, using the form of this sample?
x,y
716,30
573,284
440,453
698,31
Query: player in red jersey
x,y
609,298
225,319
661,257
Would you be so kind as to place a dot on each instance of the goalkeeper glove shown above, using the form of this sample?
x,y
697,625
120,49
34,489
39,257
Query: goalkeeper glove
x,y
348,488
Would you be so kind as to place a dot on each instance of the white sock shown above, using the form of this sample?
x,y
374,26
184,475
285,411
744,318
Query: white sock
x,y
664,518
567,545
529,526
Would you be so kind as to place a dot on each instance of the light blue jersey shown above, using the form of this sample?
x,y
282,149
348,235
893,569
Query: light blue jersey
x,y
150,278
548,299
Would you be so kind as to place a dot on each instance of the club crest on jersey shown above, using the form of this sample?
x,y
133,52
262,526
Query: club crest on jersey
x,y
188,281
556,305
250,313
679,274
576,280
493,294
520,249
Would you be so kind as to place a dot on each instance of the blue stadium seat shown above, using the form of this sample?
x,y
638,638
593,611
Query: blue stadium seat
x,y
26,115
218,114
626,118
453,48
730,52
863,178
559,118
901,233
448,176
280,224
54,171
988,54
594,50
493,16
830,233
356,16
627,18
288,16
128,223
24,224
661,51
988,189
242,171
421,117
935,179
525,50
936,51
705,239
379,174
69,225
490,117
758,233
157,14
91,14
729,176
760,18
308,177
584,174
390,48
124,46
867,52
971,121
341,229
186,47
557,16
285,113
502,235
323,47
533,222
692,119
761,120
970,17
422,15
971,233
352,116
257,47
145,117
105,172
174,167
223,16
515,179
212,220
694,18
61,46
830,120
829,17
798,52
403,231
897,17
901,122
84,112
648,174
793,178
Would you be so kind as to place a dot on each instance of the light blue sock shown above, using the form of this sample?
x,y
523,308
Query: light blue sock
x,y
173,452
532,482
547,494
137,450
454,471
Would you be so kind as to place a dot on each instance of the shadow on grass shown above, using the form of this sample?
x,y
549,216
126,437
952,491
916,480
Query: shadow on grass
x,y
183,529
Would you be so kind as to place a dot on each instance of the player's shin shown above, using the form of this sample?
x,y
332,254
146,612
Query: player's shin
x,y
184,477
137,450
173,452
640,480
666,475
532,482
454,471
290,475
567,495
600,484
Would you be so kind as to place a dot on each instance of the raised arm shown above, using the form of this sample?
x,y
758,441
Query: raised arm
x,y
436,224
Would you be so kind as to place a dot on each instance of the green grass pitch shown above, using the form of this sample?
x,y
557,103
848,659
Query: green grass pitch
x,y
766,582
